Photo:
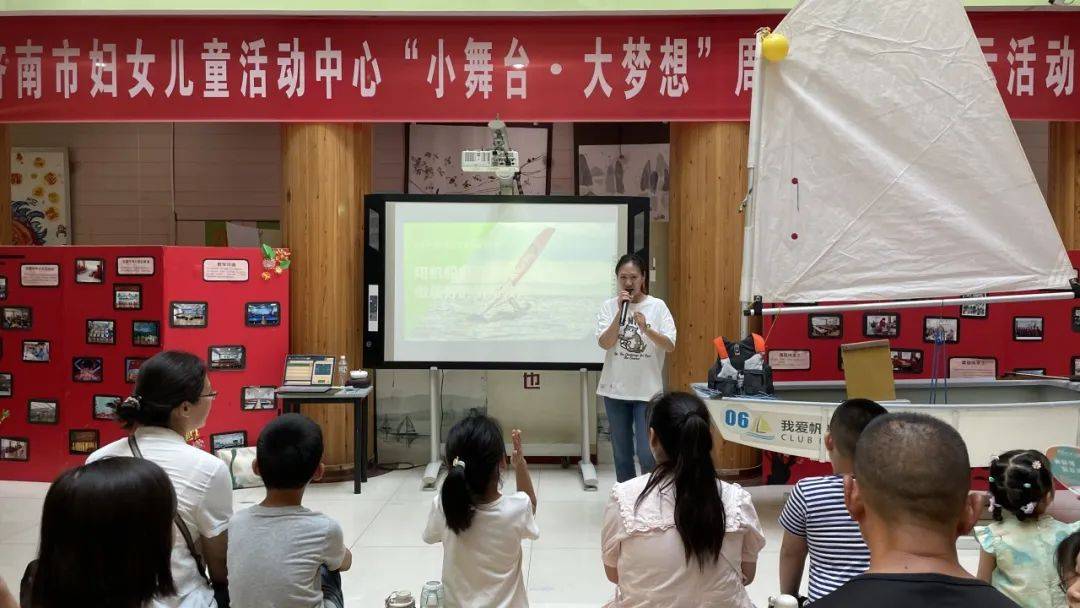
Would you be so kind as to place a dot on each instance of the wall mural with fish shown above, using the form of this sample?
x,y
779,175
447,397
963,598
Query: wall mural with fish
x,y
40,196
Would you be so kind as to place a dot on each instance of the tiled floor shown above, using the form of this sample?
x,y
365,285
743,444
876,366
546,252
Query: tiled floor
x,y
383,526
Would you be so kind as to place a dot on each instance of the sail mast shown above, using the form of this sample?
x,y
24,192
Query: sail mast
x,y
747,207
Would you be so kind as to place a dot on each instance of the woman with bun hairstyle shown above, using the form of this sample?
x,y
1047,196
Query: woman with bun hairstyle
x,y
173,397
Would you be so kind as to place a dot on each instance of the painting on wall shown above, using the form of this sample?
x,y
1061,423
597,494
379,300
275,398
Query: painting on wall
x,y
40,196
434,159
627,170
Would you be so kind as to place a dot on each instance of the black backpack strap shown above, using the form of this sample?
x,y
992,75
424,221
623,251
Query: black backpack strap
x,y
200,565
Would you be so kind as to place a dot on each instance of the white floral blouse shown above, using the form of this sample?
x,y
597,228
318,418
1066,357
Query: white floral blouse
x,y
645,547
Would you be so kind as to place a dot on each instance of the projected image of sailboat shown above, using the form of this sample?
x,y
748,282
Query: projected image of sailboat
x,y
504,304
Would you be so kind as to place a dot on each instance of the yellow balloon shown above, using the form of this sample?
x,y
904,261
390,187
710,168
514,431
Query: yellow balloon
x,y
774,47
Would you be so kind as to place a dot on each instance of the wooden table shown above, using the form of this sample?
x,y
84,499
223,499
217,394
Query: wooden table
x,y
290,403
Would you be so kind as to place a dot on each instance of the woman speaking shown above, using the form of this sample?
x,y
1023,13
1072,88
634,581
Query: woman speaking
x,y
636,330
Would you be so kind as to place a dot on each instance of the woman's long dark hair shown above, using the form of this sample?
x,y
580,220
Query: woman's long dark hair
x,y
166,380
681,423
474,451
106,536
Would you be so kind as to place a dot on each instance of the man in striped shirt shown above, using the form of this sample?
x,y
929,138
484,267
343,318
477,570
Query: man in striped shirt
x,y
815,520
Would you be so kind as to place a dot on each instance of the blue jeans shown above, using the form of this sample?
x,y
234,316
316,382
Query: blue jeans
x,y
629,424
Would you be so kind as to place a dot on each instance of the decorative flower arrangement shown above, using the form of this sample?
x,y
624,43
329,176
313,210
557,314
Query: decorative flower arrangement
x,y
275,261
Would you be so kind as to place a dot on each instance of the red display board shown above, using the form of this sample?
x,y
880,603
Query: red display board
x,y
998,336
82,303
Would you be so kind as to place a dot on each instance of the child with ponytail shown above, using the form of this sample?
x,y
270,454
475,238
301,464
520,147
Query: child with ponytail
x,y
480,528
1018,548
679,536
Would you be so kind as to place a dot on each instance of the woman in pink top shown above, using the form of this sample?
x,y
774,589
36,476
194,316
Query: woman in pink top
x,y
679,537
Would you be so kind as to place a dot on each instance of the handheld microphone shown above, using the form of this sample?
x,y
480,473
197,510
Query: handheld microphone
x,y
622,314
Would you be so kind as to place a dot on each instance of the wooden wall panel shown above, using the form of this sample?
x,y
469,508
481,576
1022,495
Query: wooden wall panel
x,y
1063,193
326,172
708,179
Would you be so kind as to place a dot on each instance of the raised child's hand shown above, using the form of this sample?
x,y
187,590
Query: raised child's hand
x,y
517,458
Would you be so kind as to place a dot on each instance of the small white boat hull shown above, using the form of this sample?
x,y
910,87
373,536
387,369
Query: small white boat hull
x,y
991,415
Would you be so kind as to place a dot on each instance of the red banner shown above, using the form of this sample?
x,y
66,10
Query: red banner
x,y
69,68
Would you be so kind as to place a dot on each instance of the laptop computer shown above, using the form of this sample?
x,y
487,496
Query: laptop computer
x,y
307,374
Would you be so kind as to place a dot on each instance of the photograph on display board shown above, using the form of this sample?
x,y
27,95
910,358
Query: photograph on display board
x,y
145,333
105,407
258,398
227,357
6,382
945,329
262,314
17,317
881,325
86,369
35,351
1027,328
907,361
1076,366
89,271
826,326
224,441
188,314
131,369
14,448
100,331
3,288
83,441
975,311
127,297
42,411
1076,319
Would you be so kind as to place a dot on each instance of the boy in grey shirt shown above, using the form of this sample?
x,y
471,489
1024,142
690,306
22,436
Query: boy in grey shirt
x,y
282,555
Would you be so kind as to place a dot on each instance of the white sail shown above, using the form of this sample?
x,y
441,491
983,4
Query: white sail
x,y
911,182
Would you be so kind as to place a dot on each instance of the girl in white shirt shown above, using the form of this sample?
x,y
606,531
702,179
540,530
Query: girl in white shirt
x,y
679,537
481,529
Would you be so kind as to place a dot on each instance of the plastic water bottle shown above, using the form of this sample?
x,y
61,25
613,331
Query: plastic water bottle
x,y
431,596
400,599
342,371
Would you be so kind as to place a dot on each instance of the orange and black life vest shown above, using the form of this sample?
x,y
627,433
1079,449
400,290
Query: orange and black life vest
x,y
736,379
